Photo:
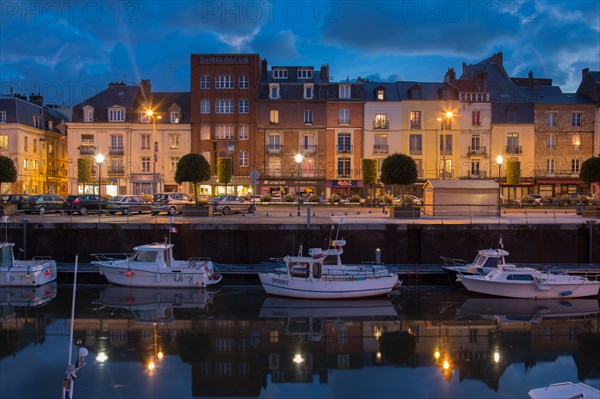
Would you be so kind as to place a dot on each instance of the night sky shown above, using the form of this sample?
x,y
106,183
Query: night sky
x,y
69,50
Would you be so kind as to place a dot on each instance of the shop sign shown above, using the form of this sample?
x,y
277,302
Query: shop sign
x,y
344,183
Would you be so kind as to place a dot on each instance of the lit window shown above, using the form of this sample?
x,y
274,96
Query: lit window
x,y
174,117
274,117
415,119
174,141
576,140
243,159
243,132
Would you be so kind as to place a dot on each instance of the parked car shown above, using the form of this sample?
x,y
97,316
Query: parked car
x,y
44,203
15,199
84,204
407,197
226,204
170,203
535,199
127,204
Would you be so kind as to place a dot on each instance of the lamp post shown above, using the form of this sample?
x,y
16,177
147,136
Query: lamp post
x,y
99,160
499,160
298,158
151,114
445,116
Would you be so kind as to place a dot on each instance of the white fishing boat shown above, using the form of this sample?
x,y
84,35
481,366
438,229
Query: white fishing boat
x,y
524,282
322,275
565,390
484,262
152,265
14,272
155,305
531,310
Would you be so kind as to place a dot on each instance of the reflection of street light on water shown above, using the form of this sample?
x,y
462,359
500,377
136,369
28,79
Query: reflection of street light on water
x,y
99,160
298,158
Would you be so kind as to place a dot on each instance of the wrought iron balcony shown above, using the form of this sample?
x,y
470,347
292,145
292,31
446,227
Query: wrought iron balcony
x,y
557,173
383,124
116,170
513,149
87,150
477,151
344,121
308,149
274,148
380,149
116,150
344,149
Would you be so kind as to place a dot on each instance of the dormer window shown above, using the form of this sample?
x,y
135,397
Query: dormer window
x,y
175,116
305,73
280,73
380,94
344,91
116,114
88,114
414,93
144,118
309,91
274,91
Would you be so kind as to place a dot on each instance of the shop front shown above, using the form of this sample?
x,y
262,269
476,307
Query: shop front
x,y
141,183
277,189
344,188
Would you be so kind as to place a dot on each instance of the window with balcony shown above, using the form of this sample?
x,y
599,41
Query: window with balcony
x,y
305,73
344,143
415,144
243,160
576,119
308,144
116,114
279,73
575,165
116,144
274,91
205,106
550,165
476,118
343,167
244,81
551,121
243,106
87,139
224,106
576,141
512,143
88,114
174,140
205,82
380,121
308,117
116,167
344,91
344,116
274,117
308,91
224,82
551,141
243,132
224,132
415,119
380,144
145,162
274,144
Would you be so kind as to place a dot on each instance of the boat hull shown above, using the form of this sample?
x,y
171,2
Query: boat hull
x,y
28,274
277,284
128,275
527,289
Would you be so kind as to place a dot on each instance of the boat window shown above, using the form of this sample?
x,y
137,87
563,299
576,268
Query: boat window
x,y
145,256
299,269
491,262
479,260
317,270
6,257
520,277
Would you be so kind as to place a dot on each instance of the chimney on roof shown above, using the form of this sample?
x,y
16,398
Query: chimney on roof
x,y
264,67
530,78
501,57
36,99
146,87
11,91
584,73
450,76
324,75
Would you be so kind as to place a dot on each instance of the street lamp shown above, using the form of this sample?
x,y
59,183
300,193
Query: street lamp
x,y
99,160
499,160
154,117
445,116
298,158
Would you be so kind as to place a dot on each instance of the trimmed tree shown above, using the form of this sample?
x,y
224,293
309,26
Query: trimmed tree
x,y
590,172
8,171
369,174
399,169
84,171
224,171
513,175
193,168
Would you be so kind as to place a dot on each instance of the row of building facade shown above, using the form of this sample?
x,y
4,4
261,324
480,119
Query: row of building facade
x,y
264,117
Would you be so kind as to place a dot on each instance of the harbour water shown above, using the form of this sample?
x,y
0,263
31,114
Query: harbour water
x,y
234,341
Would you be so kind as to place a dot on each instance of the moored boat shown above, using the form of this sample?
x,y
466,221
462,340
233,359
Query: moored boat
x,y
14,272
484,262
322,275
565,390
152,265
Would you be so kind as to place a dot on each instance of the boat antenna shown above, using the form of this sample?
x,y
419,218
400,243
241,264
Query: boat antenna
x,y
339,226
5,221
69,381
500,243
300,250
330,232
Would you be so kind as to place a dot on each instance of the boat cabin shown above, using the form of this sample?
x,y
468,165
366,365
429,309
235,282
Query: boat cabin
x,y
7,258
305,269
490,258
158,254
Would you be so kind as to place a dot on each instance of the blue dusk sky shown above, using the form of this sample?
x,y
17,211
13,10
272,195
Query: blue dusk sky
x,y
69,50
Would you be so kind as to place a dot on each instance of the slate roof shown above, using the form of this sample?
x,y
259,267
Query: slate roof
x,y
294,91
590,86
161,102
293,75
500,85
523,113
391,91
125,96
20,111
428,90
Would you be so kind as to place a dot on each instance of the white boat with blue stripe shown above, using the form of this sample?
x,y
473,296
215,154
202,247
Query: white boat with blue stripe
x,y
322,275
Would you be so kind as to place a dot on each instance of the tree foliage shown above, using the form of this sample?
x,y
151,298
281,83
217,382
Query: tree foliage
x,y
399,169
8,170
84,170
369,174
192,168
590,170
513,172
224,170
